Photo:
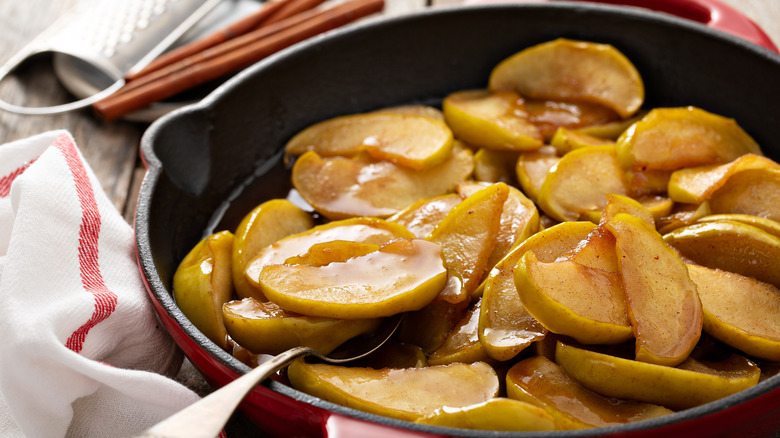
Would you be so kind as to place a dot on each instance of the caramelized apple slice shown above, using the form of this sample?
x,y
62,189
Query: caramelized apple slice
x,y
264,225
694,185
673,138
505,326
406,394
611,130
731,246
565,140
581,71
550,115
532,168
663,306
691,384
580,181
755,192
519,220
203,282
541,382
502,414
408,274
495,166
413,141
740,311
768,225
493,120
266,328
570,299
363,230
462,344
339,187
422,216
468,233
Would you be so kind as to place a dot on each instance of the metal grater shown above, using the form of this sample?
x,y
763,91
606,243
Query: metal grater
x,y
96,43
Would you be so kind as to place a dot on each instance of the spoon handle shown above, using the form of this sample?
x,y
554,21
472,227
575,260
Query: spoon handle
x,y
207,417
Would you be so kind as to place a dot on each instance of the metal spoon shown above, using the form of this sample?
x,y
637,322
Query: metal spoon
x,y
207,417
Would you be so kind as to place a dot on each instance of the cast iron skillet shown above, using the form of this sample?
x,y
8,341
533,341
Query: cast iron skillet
x,y
210,163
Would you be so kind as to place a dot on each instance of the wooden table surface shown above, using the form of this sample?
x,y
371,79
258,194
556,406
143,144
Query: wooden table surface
x,y
111,149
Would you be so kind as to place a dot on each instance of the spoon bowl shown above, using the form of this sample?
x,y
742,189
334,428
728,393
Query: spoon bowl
x,y
206,417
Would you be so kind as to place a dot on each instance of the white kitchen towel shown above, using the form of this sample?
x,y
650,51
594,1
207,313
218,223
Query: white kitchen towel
x,y
81,351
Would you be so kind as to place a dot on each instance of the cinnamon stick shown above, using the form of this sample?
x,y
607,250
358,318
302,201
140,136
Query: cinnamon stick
x,y
271,11
231,56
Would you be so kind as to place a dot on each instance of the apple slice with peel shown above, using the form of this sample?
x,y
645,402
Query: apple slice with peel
x,y
410,140
505,326
562,296
402,275
663,306
265,224
468,233
674,138
203,282
500,413
754,191
740,311
462,343
541,382
266,328
405,394
492,120
691,384
571,70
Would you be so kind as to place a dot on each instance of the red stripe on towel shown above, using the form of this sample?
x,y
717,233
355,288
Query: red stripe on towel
x,y
89,232
6,181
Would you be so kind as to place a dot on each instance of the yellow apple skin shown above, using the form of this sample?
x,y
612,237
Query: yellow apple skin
x,y
663,305
541,382
691,384
403,275
405,394
265,328
503,414
561,296
740,311
203,282
264,225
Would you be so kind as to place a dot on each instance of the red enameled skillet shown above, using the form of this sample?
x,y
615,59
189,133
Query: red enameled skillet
x,y
209,163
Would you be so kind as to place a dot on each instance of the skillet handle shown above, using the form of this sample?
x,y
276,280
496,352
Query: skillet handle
x,y
711,13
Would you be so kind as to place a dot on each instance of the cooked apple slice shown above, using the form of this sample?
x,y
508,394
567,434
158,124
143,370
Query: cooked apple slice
x,y
694,185
570,299
565,140
740,311
755,192
462,343
413,141
362,229
264,225
768,225
422,216
550,115
266,328
611,130
617,204
502,414
673,138
682,215
335,251
532,168
691,384
405,394
495,166
541,382
468,233
407,275
505,326
203,282
339,187
597,250
493,120
663,306
579,71
648,182
519,220
731,246
580,181
414,109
